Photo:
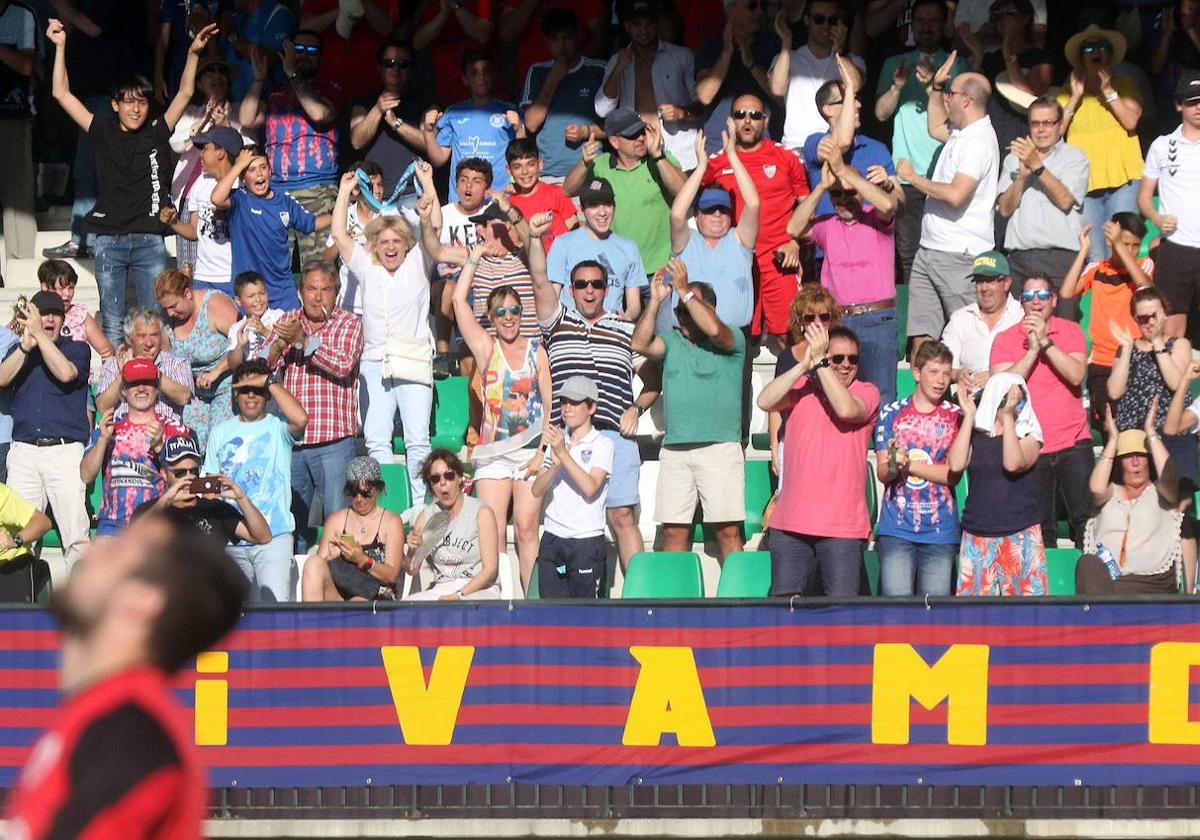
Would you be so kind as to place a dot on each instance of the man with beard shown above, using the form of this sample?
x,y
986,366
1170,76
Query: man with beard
x,y
299,122
119,758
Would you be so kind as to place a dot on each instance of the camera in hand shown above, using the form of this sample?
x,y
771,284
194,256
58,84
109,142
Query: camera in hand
x,y
205,484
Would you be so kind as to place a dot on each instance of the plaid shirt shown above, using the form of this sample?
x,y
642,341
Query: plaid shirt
x,y
326,381
169,365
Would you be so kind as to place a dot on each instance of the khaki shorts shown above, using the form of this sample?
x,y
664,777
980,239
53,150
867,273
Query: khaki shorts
x,y
713,472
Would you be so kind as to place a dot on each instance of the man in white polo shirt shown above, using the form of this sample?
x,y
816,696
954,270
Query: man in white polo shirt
x,y
1173,168
971,329
958,221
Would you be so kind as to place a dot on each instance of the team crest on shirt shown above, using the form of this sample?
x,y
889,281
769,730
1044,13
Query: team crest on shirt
x,y
285,217
497,120
769,169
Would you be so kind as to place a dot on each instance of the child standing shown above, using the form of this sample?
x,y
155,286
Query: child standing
x,y
248,337
59,277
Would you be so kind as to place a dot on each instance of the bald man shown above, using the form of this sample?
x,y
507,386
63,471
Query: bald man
x,y
961,195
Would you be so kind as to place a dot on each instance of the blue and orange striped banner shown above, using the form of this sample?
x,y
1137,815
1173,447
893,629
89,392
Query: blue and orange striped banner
x,y
1018,693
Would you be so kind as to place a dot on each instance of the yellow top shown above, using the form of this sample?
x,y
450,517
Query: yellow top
x,y
1115,154
15,514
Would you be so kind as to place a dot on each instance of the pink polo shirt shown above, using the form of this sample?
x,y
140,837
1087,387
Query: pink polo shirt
x,y
860,258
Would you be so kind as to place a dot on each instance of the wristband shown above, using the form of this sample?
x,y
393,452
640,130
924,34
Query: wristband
x,y
688,297
1046,345
367,564
939,88
658,157
1153,437
1037,173
1112,97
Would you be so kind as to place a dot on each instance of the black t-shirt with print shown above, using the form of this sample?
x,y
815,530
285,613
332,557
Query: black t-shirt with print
x,y
134,170
209,515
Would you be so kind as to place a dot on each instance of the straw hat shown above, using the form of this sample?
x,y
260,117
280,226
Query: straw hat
x,y
1018,98
1095,33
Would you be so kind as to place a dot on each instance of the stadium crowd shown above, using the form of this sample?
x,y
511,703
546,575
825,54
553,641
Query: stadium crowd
x,y
583,209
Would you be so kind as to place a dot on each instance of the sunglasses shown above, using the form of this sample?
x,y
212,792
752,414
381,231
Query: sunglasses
x,y
360,492
838,192
400,63
598,283
448,475
809,317
184,472
742,113
1042,123
501,311
1096,46
306,48
248,390
821,20
1038,294
838,358
1145,319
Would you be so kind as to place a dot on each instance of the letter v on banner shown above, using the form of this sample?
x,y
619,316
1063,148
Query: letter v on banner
x,y
427,713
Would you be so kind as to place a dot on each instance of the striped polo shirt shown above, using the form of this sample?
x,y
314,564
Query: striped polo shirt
x,y
494,272
601,351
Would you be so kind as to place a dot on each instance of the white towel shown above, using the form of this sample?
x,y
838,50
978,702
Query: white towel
x,y
989,403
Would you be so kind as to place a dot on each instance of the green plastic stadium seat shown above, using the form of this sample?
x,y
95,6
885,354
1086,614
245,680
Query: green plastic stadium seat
x,y
664,574
760,484
1060,570
761,440
872,493
451,413
533,594
745,574
905,384
902,320
398,496
398,447
871,562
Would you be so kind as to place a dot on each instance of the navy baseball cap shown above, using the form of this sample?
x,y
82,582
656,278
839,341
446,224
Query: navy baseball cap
x,y
711,197
624,122
179,447
223,137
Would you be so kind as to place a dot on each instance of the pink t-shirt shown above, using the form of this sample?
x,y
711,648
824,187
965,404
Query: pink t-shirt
x,y
1057,403
860,262
825,459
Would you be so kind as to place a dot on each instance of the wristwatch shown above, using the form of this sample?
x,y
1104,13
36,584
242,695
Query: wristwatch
x,y
660,156
18,540
824,363
1037,173
688,297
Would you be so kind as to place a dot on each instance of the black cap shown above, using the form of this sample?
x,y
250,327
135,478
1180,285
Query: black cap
x,y
631,9
1188,89
624,122
491,213
48,302
596,191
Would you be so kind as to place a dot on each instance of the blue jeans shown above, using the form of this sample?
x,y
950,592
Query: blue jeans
x,y
794,558
877,341
144,255
903,563
84,173
1098,208
267,567
318,469
383,398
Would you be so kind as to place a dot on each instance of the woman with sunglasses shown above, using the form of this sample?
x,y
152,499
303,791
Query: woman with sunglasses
x,y
455,536
361,556
516,385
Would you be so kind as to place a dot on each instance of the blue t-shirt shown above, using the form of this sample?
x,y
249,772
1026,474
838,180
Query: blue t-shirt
x,y
471,130
915,509
258,457
619,256
268,26
727,267
864,153
573,102
44,407
258,230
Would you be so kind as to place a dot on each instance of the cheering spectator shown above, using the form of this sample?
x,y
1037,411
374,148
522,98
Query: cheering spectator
x,y
918,519
143,330
822,523
902,96
701,452
1101,114
972,329
59,277
516,385
1002,550
260,219
361,212
1021,68
1043,182
248,336
447,31
653,79
299,123
253,451
482,126
797,74
957,220
643,177
779,180
1171,172
211,109
18,47
859,264
126,452
132,155
318,348
200,321
594,241
386,128
559,95
1049,353
455,535
359,559
473,180
588,340
1113,282
531,195
47,374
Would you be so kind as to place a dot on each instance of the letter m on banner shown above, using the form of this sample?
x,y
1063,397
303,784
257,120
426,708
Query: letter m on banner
x,y
960,678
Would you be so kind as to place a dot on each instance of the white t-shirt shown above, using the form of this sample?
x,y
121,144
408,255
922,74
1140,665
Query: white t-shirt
x,y
806,73
348,298
568,514
1175,164
257,344
969,229
457,230
399,302
969,339
214,253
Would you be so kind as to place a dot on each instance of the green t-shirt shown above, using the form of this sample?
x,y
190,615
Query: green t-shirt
x,y
910,131
643,207
702,390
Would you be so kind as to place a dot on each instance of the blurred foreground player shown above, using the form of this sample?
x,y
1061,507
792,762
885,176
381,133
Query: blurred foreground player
x,y
119,760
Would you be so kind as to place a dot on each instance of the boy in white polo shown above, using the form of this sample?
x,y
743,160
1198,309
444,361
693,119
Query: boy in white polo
x,y
572,560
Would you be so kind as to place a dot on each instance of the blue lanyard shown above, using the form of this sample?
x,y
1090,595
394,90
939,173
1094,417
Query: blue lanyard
x,y
409,176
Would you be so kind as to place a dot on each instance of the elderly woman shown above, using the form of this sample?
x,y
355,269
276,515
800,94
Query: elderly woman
x,y
454,537
1002,552
361,556
200,320
397,361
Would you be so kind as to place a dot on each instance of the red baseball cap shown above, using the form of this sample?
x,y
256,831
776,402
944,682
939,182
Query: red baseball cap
x,y
139,370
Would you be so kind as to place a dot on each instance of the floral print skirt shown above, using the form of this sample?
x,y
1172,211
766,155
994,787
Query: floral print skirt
x,y
1011,565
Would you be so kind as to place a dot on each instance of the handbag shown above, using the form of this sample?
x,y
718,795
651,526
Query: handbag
x,y
405,357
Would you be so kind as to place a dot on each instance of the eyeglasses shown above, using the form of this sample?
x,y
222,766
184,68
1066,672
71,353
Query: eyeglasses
x,y
360,492
979,279
596,283
1043,123
948,92
742,113
838,358
822,20
809,317
838,192
1145,319
398,63
311,49
715,209
184,472
1036,294
501,311
251,390
1095,46
438,478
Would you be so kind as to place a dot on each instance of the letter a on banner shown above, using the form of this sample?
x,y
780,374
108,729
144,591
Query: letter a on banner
x,y
960,678
667,698
1171,666
427,714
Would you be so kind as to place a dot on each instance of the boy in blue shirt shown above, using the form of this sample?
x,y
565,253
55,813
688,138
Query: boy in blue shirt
x,y
259,220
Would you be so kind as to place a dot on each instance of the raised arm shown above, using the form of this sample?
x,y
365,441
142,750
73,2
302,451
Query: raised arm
x,y
747,226
221,192
315,106
545,297
938,123
842,129
776,395
681,207
703,316
884,202
644,340
959,454
187,81
250,112
800,222
294,414
341,210
1178,420
578,174
1070,284
1118,379
435,152
846,406
60,85
477,338
781,70
1100,481
670,175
